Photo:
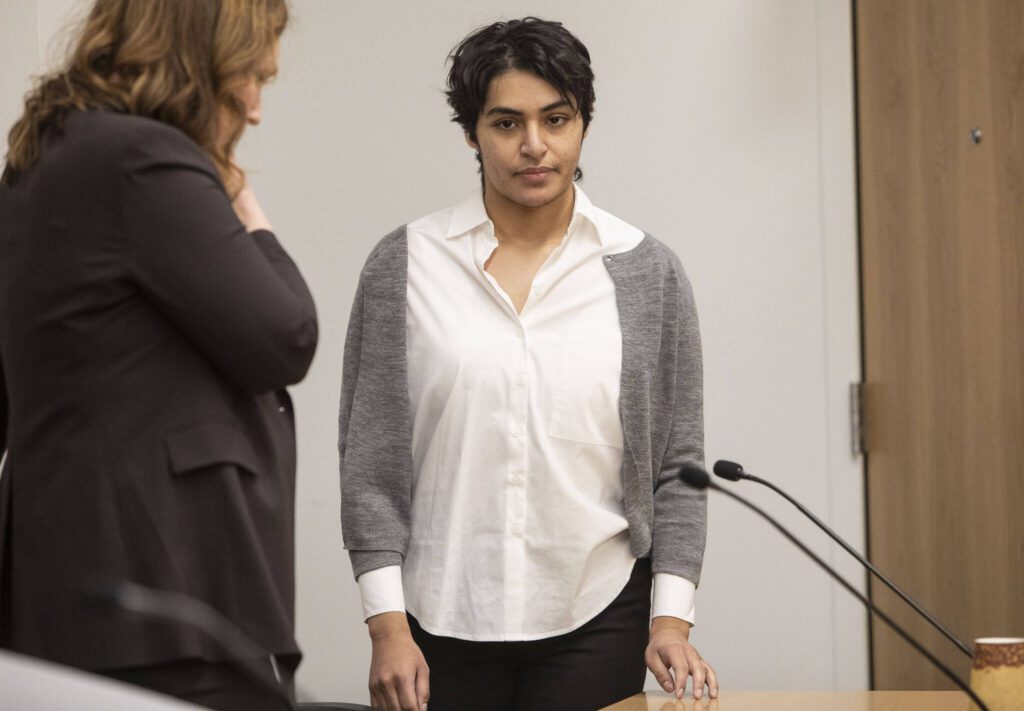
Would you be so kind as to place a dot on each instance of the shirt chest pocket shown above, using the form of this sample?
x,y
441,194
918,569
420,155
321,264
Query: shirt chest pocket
x,y
585,402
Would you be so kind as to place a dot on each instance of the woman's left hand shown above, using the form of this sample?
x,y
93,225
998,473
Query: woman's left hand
x,y
671,658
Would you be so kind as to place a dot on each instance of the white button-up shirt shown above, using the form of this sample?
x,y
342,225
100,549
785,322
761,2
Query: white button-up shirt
x,y
518,528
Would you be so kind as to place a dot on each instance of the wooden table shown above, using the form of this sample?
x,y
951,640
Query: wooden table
x,y
799,700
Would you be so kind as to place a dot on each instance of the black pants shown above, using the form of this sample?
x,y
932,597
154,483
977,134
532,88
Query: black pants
x,y
591,667
221,686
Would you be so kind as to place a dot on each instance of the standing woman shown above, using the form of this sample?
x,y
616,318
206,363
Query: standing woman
x,y
522,383
149,323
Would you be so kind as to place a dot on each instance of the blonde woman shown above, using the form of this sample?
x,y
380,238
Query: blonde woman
x,y
149,323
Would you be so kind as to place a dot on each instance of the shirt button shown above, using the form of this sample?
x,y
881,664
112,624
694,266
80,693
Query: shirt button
x,y
282,409
520,379
519,431
517,529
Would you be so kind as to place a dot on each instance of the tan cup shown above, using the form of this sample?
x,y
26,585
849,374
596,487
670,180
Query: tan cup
x,y
997,676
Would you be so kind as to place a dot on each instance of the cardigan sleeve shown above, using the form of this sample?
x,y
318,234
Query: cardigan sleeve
x,y
374,433
680,511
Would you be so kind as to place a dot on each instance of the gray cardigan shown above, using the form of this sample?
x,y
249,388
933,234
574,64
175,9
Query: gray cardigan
x,y
660,406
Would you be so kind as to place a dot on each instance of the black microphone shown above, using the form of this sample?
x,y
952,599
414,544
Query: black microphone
x,y
734,472
699,479
729,470
178,607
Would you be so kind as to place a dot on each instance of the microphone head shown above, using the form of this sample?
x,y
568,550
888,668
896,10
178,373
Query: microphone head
x,y
728,470
695,477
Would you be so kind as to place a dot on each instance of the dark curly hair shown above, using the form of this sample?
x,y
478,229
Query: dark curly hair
x,y
541,47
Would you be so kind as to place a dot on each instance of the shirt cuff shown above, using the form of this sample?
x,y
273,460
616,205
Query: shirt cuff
x,y
381,591
674,596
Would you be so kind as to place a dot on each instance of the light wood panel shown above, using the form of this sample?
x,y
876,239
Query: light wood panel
x,y
942,229
799,700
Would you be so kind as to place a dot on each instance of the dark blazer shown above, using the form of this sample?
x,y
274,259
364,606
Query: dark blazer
x,y
145,342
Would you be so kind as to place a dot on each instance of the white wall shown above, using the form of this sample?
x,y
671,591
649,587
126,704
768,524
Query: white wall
x,y
724,129
18,58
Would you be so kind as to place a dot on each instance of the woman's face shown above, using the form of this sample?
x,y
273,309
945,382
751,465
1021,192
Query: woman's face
x,y
251,96
529,137
251,93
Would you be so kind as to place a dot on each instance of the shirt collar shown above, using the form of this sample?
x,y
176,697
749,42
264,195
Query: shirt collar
x,y
468,215
583,208
471,213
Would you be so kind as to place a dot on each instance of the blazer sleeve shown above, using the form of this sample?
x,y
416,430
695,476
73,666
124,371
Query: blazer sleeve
x,y
680,511
237,296
3,409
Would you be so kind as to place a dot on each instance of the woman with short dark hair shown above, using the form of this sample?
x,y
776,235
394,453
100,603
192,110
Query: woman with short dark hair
x,y
522,384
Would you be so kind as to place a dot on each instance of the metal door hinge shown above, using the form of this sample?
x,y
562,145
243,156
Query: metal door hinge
x,y
858,445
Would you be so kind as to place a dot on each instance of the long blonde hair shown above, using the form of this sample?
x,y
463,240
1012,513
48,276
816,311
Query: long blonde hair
x,y
182,62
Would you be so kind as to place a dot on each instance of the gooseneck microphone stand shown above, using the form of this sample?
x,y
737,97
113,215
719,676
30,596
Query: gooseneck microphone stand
x,y
734,472
162,604
700,479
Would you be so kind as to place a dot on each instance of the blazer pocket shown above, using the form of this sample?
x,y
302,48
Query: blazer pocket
x,y
586,396
210,444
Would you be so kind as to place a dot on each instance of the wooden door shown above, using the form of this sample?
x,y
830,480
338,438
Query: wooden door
x,y
942,249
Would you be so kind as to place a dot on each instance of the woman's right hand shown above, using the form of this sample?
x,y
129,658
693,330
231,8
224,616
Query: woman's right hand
x,y
399,677
249,210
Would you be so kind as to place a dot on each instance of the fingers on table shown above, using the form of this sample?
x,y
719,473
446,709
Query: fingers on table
x,y
712,681
673,665
698,669
658,668
683,661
